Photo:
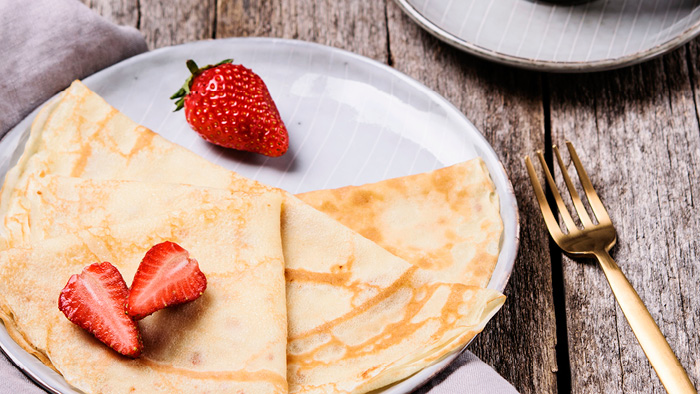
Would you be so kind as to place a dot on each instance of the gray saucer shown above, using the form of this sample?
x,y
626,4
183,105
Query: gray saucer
x,y
595,35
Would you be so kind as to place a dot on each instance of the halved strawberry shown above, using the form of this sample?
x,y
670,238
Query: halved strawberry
x,y
95,300
166,276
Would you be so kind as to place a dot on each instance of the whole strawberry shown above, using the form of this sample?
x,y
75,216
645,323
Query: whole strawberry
x,y
229,105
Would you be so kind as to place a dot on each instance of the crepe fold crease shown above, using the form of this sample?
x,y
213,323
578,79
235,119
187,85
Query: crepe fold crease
x,y
445,221
357,316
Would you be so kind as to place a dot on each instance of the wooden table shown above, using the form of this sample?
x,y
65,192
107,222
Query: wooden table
x,y
637,130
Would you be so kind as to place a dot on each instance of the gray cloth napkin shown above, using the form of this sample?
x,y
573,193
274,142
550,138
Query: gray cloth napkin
x,y
46,44
467,375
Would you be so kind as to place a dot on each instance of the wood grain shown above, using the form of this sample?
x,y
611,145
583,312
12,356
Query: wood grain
x,y
637,133
170,22
123,12
357,26
506,105
162,22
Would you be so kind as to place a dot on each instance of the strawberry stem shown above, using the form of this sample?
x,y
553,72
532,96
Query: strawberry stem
x,y
192,66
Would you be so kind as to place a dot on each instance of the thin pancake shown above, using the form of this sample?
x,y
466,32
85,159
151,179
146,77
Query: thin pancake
x,y
229,340
446,221
332,272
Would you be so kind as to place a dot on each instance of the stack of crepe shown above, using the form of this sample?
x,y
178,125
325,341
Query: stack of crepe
x,y
341,291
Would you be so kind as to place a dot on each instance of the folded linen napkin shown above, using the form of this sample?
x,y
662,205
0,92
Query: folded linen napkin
x,y
467,375
49,43
46,44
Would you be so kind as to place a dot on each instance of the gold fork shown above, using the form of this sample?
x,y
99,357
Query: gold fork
x,y
595,240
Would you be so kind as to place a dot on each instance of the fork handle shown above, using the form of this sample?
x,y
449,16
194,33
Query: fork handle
x,y
668,368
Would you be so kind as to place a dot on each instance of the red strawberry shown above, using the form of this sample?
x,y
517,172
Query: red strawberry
x,y
229,105
95,300
166,276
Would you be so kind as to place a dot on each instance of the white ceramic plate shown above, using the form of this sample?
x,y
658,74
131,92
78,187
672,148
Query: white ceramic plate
x,y
535,34
351,120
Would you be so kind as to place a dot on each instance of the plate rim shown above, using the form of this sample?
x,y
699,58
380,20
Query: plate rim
x,y
415,380
546,65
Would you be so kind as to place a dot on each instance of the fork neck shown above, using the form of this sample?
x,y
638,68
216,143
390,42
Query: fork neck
x,y
606,261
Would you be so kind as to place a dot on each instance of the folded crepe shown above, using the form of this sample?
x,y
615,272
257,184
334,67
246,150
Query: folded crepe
x,y
406,313
336,279
230,339
446,221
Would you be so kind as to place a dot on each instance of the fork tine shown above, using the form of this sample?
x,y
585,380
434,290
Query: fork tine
x,y
557,197
578,204
547,213
596,205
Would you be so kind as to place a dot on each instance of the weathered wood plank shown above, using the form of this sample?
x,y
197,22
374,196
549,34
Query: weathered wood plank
x,y
357,26
694,73
637,133
689,253
162,22
361,27
123,12
506,105
170,22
